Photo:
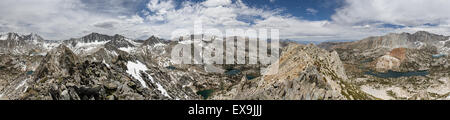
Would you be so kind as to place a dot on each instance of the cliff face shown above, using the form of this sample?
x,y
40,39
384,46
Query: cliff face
x,y
304,73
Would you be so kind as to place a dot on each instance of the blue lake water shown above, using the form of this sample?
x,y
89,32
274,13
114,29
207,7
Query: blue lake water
x,y
394,74
250,77
438,55
205,93
29,72
232,72
171,67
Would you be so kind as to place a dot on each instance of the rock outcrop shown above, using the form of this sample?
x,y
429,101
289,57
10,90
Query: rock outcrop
x,y
304,73
63,76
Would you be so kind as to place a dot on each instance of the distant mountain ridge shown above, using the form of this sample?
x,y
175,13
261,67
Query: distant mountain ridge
x,y
396,40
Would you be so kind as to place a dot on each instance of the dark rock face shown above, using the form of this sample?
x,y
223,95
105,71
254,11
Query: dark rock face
x,y
119,41
152,41
95,37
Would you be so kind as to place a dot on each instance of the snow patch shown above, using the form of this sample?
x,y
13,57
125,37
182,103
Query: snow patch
x,y
159,45
3,37
134,69
133,42
186,42
160,87
443,42
444,50
21,84
419,44
113,53
107,65
96,43
128,49
89,47
49,46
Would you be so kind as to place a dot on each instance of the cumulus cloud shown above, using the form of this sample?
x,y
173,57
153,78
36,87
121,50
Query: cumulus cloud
x,y
55,19
214,3
63,19
401,12
312,11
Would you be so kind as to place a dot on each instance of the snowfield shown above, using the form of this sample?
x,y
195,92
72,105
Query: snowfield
x,y
127,49
3,37
96,43
82,47
135,68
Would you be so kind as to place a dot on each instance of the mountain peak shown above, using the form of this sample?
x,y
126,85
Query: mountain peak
x,y
17,36
33,36
95,37
152,40
118,37
10,36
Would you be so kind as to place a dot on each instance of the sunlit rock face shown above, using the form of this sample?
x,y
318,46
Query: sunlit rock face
x,y
398,66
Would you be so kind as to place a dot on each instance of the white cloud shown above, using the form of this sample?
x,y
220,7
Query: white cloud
x,y
63,19
371,15
312,11
214,3
57,19
401,12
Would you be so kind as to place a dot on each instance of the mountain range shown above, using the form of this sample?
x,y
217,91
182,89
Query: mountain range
x,y
104,67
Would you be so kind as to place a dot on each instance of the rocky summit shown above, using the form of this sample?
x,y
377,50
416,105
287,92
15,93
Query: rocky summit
x,y
305,72
114,67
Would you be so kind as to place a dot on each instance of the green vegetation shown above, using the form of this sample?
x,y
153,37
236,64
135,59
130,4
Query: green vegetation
x,y
352,92
43,80
391,93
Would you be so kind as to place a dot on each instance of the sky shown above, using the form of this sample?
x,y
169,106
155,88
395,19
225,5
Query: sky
x,y
301,20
